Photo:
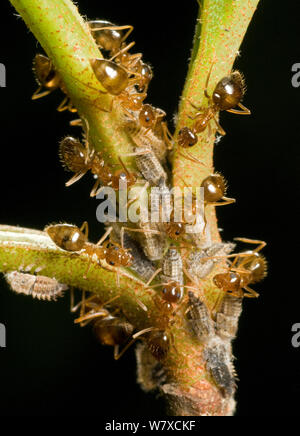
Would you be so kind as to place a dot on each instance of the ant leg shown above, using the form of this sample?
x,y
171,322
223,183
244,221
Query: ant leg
x,y
217,303
71,107
123,50
76,177
261,245
106,234
124,166
207,80
100,312
139,153
132,341
90,316
95,189
133,200
225,201
219,127
85,228
192,158
195,116
77,122
167,136
244,111
251,293
37,94
153,276
73,308
199,108
63,105
129,27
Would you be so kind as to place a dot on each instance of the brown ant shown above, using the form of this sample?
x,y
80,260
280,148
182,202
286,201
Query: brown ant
x,y
108,329
48,78
214,186
247,268
227,94
77,158
152,119
71,238
108,36
119,82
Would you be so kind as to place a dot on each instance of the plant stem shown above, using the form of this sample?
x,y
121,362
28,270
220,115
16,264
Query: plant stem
x,y
220,30
67,41
66,38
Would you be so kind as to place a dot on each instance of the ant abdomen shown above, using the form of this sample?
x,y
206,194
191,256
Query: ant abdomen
x,y
229,91
72,154
214,187
187,138
112,330
257,266
158,344
112,76
67,236
45,73
172,292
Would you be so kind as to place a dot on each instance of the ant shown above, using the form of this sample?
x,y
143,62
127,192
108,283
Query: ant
x,y
151,118
77,158
109,329
247,268
109,36
227,94
71,238
48,78
119,82
214,186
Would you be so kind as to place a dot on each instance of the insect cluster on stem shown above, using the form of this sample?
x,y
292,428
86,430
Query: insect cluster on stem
x,y
173,264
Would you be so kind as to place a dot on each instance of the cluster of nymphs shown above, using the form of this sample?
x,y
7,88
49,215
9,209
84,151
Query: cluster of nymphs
x,y
170,261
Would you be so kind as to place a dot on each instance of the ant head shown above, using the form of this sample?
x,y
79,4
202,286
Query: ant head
x,y
117,256
122,177
175,230
147,116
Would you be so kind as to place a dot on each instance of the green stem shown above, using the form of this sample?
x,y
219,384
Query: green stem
x,y
220,30
33,251
66,39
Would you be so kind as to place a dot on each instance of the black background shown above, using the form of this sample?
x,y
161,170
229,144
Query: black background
x,y
50,366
